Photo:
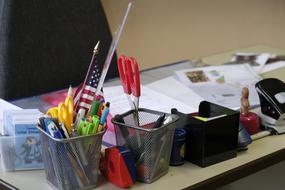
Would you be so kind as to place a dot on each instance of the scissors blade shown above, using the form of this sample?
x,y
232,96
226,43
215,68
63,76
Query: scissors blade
x,y
134,76
122,62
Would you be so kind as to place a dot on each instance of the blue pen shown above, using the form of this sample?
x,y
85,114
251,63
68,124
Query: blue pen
x,y
105,114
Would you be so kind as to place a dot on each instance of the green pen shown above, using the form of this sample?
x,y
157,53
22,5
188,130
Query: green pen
x,y
88,127
94,108
95,121
82,127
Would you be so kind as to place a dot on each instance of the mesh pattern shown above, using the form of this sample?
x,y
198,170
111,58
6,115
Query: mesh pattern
x,y
71,163
151,146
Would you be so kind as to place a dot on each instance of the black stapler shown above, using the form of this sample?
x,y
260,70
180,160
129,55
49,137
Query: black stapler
x,y
271,94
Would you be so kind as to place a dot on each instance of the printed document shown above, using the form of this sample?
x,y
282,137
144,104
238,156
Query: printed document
x,y
222,84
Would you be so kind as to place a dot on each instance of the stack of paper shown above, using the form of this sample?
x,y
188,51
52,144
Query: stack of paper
x,y
149,99
218,84
260,62
21,122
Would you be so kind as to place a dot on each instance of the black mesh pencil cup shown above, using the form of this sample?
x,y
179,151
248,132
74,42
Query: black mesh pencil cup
x,y
149,137
71,163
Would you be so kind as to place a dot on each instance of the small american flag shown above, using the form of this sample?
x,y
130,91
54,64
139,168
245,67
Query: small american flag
x,y
85,93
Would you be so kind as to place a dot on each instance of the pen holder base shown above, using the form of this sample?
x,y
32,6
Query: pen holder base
x,y
71,163
151,146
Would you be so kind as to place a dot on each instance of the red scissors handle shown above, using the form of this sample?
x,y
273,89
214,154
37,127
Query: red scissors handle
x,y
134,76
122,67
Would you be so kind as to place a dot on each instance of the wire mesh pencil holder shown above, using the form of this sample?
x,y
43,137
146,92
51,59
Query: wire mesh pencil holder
x,y
151,145
71,163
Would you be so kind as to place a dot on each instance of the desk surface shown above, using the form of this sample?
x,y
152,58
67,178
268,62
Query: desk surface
x,y
261,153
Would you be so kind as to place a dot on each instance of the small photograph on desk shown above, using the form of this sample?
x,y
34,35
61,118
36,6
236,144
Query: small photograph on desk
x,y
206,76
197,76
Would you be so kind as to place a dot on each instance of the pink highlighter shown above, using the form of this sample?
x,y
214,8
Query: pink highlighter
x,y
250,120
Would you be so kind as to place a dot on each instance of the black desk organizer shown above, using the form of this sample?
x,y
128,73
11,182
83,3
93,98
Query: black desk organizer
x,y
212,141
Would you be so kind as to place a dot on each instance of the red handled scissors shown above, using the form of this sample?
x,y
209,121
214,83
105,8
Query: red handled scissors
x,y
130,79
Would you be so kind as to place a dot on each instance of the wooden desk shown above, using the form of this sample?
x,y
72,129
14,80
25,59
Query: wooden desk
x,y
261,154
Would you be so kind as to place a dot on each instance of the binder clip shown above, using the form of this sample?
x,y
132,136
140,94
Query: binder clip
x,y
118,166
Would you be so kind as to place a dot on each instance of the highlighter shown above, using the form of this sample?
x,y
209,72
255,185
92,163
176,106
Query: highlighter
x,y
95,121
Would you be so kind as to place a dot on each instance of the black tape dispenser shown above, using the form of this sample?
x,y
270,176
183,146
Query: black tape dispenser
x,y
271,94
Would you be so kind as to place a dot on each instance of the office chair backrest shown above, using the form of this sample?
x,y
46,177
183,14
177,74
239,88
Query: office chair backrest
x,y
47,45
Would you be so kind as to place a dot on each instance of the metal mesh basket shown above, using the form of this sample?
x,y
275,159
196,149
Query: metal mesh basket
x,y
71,163
151,146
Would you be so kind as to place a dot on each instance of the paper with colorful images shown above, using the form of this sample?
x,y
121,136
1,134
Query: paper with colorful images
x,y
222,84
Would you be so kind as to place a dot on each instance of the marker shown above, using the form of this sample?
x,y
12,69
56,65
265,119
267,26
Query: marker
x,y
52,129
96,122
87,127
80,128
167,120
105,114
94,108
80,115
159,121
100,109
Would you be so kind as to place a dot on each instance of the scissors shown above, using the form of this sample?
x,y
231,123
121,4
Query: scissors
x,y
130,79
64,113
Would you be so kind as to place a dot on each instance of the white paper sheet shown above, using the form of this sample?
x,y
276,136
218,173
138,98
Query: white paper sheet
x,y
149,99
222,84
176,90
273,66
260,61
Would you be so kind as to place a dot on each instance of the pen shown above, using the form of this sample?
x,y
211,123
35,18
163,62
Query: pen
x,y
96,122
101,107
94,108
80,115
168,120
52,129
69,92
105,113
104,117
159,121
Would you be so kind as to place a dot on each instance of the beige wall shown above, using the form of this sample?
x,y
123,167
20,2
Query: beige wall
x,y
164,31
